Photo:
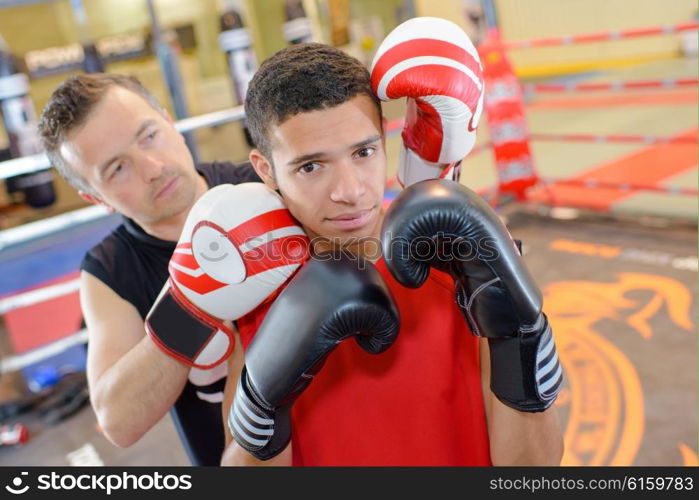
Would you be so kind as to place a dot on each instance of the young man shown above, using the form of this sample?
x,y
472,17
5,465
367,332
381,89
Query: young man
x,y
427,400
110,138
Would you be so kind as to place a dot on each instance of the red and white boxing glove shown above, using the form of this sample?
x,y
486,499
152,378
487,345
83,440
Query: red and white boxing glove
x,y
239,245
434,64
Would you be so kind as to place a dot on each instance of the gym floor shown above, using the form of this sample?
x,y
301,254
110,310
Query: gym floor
x,y
619,280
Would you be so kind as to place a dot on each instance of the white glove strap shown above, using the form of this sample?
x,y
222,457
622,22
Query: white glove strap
x,y
412,169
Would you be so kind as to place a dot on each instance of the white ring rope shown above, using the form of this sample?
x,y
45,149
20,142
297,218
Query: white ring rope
x,y
43,227
19,361
34,163
39,295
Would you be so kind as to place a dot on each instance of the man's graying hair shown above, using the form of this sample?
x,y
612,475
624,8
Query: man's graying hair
x,y
301,78
69,107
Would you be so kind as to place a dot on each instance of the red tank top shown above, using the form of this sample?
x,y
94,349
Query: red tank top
x,y
418,403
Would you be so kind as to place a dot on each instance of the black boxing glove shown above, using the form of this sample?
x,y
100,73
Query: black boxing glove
x,y
442,224
328,301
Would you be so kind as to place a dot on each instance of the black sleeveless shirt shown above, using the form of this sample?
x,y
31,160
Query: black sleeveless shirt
x,y
134,265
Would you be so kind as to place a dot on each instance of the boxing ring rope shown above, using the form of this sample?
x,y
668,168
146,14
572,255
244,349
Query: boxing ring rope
x,y
25,299
614,138
598,86
18,361
39,295
621,186
599,37
508,94
34,163
23,165
43,227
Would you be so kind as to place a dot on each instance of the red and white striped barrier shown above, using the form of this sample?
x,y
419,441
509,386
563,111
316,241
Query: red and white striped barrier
x,y
599,37
614,138
628,85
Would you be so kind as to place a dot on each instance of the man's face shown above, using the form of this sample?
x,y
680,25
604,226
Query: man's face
x,y
133,159
330,167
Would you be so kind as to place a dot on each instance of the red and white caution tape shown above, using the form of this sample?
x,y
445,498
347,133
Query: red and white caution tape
x,y
621,186
600,37
628,85
613,138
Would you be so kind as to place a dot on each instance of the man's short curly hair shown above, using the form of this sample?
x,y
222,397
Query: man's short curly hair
x,y
301,78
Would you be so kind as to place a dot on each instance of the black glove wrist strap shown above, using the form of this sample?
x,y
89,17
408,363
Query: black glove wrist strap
x,y
525,373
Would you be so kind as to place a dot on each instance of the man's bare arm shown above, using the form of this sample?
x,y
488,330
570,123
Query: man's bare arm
x,y
132,382
516,437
